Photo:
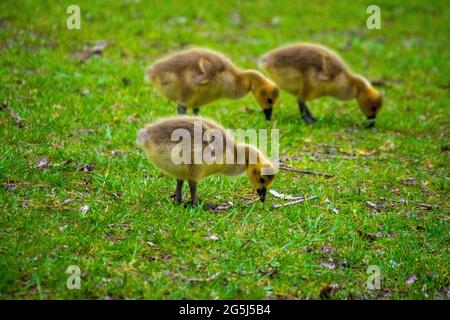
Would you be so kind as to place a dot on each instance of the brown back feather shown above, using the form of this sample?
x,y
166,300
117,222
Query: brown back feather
x,y
305,57
160,132
206,63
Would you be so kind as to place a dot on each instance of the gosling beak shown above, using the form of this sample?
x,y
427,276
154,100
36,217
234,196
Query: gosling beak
x,y
371,121
262,194
268,114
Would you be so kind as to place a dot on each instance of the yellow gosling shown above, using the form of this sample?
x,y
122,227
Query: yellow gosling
x,y
195,77
165,140
311,71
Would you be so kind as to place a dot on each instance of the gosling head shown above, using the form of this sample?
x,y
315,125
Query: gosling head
x,y
266,94
370,102
261,177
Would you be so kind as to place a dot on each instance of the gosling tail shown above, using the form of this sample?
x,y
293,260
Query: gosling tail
x,y
143,138
262,62
149,75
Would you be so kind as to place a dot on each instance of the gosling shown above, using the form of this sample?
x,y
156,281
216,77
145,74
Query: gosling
x,y
191,148
195,77
311,71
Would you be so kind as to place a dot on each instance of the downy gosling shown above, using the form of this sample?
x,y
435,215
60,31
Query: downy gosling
x,y
191,148
195,77
311,71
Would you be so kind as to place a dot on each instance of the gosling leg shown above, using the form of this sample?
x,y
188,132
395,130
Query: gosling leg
x,y
179,192
181,109
194,198
306,114
193,189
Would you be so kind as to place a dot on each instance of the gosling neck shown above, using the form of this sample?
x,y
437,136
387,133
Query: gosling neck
x,y
361,84
246,154
252,78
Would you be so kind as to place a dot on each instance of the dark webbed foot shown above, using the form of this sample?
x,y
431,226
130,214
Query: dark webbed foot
x,y
309,119
370,122
206,206
196,110
306,114
181,109
210,206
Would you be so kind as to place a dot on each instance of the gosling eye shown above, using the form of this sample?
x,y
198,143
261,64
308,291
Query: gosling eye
x,y
262,180
269,101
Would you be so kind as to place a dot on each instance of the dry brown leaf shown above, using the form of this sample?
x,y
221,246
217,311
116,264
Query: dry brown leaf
x,y
328,290
10,185
410,181
388,146
43,162
116,106
132,118
375,206
193,279
212,237
223,206
84,209
268,272
367,236
328,265
427,164
16,117
96,49
86,168
99,47
411,280
83,131
248,110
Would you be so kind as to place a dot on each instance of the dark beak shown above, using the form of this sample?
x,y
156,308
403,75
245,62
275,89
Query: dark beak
x,y
371,120
262,194
268,114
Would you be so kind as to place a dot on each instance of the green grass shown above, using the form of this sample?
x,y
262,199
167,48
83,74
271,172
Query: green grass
x,y
133,242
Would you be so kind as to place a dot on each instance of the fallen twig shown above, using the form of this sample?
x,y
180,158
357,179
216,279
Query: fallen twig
x,y
286,167
424,206
277,194
251,202
276,206
375,206
191,279
246,242
326,145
